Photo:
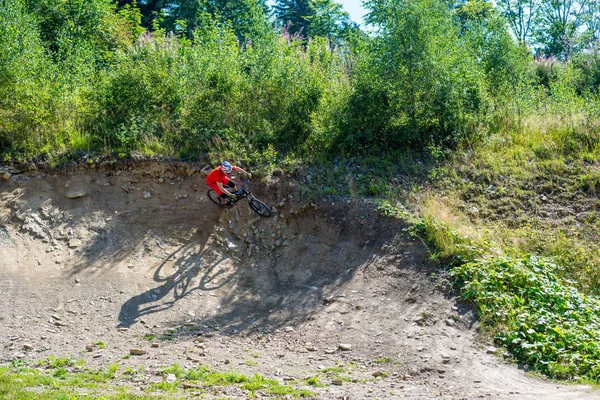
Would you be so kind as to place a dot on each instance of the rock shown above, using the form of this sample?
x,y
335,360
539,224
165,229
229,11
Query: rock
x,y
74,243
345,346
27,346
75,194
289,329
378,373
450,322
289,379
89,348
155,345
171,378
490,350
310,348
147,195
6,176
161,180
97,355
337,382
137,352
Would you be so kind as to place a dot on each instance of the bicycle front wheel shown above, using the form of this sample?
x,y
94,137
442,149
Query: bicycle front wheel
x,y
259,207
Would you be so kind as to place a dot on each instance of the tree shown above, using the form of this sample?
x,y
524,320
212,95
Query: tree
x,y
328,20
419,83
294,15
486,33
521,16
247,18
558,25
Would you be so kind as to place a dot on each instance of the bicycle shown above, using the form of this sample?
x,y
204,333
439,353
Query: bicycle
x,y
256,205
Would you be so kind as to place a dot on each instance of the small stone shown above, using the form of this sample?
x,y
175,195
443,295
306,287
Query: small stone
x,y
6,176
289,329
27,346
89,348
450,322
137,352
171,378
75,194
155,345
147,195
161,180
97,355
337,382
345,346
490,350
226,362
378,373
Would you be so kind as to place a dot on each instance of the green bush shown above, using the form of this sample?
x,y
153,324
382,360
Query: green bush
x,y
542,320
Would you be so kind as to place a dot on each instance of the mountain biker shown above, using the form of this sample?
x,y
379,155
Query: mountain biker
x,y
220,177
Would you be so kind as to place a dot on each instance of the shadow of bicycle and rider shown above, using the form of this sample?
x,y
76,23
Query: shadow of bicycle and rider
x,y
177,275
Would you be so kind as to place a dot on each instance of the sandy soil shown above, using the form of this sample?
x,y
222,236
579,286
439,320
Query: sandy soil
x,y
139,256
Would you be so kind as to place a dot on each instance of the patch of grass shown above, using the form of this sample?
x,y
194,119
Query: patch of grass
x,y
149,337
100,344
251,363
163,387
386,360
54,362
174,369
314,381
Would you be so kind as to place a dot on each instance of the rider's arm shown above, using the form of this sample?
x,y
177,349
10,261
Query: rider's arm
x,y
241,170
227,192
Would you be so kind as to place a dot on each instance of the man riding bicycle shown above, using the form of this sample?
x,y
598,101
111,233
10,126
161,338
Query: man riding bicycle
x,y
220,177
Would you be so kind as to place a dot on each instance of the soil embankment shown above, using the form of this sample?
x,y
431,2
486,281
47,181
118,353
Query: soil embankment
x,y
140,258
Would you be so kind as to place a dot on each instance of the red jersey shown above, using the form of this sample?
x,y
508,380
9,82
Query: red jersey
x,y
217,175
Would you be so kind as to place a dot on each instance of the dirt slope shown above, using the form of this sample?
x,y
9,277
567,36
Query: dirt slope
x,y
139,256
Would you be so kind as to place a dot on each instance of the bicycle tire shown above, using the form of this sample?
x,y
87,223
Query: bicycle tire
x,y
259,207
215,198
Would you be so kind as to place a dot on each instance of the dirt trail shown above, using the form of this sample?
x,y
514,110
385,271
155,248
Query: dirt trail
x,y
139,256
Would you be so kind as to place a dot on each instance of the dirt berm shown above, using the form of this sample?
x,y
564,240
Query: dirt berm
x,y
139,257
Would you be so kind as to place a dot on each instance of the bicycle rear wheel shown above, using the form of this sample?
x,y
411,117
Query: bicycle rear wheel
x,y
259,207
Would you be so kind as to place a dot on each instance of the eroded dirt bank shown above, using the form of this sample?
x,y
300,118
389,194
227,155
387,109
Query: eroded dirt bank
x,y
140,258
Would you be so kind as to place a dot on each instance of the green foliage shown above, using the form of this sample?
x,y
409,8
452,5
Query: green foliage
x,y
542,320
417,82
